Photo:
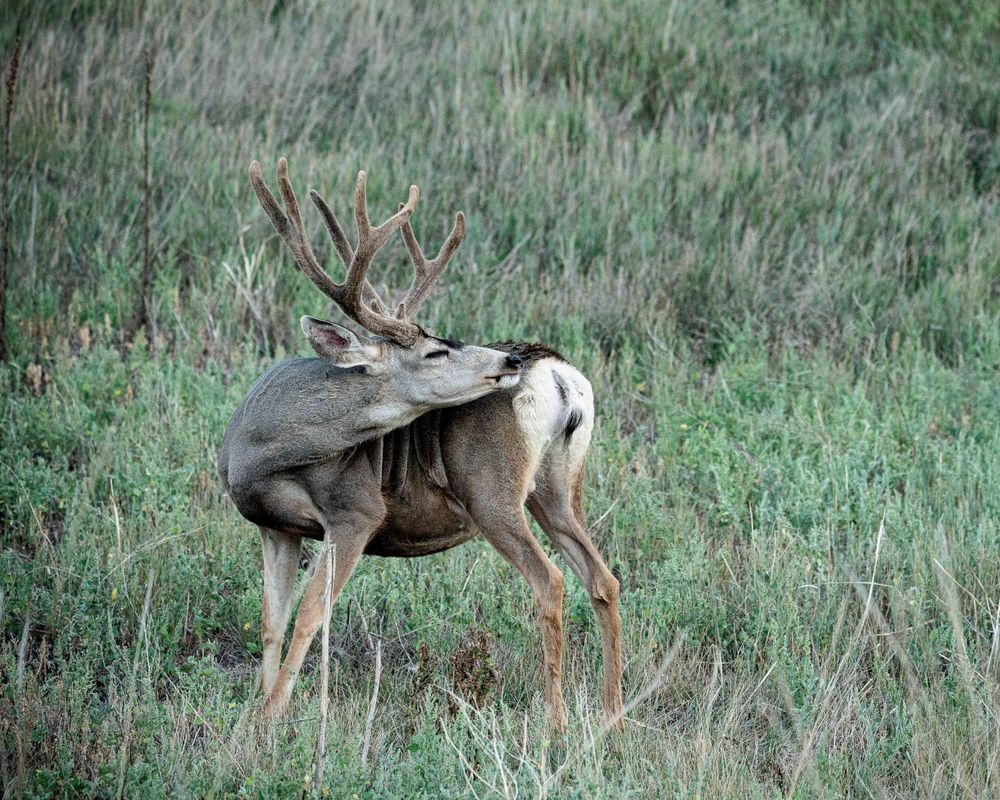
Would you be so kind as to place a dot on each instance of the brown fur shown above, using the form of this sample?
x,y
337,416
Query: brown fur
x,y
529,351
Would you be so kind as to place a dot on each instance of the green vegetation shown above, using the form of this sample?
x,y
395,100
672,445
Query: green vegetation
x,y
768,233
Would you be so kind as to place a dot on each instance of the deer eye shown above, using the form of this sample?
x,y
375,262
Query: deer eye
x,y
437,354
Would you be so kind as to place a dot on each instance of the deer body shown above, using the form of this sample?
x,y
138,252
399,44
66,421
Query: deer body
x,y
406,445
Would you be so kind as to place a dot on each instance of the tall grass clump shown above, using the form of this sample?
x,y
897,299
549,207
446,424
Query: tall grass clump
x,y
766,232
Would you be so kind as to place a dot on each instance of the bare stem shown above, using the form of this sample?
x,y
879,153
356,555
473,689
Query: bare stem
x,y
131,699
374,702
22,654
5,223
145,315
324,686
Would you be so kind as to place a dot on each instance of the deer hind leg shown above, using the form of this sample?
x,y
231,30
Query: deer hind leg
x,y
349,543
281,562
558,508
507,530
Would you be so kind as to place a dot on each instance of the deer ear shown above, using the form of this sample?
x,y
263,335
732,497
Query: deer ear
x,y
335,342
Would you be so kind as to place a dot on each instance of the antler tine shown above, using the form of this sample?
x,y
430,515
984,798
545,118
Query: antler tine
x,y
374,238
289,227
344,249
370,240
426,273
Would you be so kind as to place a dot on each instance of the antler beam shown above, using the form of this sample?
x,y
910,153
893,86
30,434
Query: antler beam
x,y
355,295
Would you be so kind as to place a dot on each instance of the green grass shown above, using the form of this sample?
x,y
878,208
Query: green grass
x,y
767,233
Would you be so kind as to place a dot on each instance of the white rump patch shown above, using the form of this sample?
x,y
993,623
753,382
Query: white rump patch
x,y
543,414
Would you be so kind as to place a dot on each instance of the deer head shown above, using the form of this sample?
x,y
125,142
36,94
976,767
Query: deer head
x,y
417,371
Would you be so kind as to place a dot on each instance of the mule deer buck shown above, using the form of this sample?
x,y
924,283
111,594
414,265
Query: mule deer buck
x,y
400,443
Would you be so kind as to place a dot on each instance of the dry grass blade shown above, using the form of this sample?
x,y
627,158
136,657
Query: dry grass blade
x,y
654,683
22,652
125,754
953,608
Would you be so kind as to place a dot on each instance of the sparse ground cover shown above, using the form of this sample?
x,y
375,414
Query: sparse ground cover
x,y
767,233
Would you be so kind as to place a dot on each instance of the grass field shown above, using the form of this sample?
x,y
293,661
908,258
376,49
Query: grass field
x,y
767,232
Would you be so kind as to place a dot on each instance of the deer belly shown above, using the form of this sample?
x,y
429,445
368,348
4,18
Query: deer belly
x,y
410,530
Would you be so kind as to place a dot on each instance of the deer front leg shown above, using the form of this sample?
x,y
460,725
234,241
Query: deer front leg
x,y
509,533
350,543
281,563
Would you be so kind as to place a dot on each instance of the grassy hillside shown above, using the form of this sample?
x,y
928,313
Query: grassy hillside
x,y
767,232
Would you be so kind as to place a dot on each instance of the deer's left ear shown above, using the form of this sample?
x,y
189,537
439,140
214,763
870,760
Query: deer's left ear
x,y
336,343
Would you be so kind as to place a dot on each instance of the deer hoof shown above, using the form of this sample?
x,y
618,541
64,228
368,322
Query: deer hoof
x,y
615,721
557,721
274,707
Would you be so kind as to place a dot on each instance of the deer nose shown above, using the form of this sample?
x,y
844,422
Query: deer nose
x,y
515,362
